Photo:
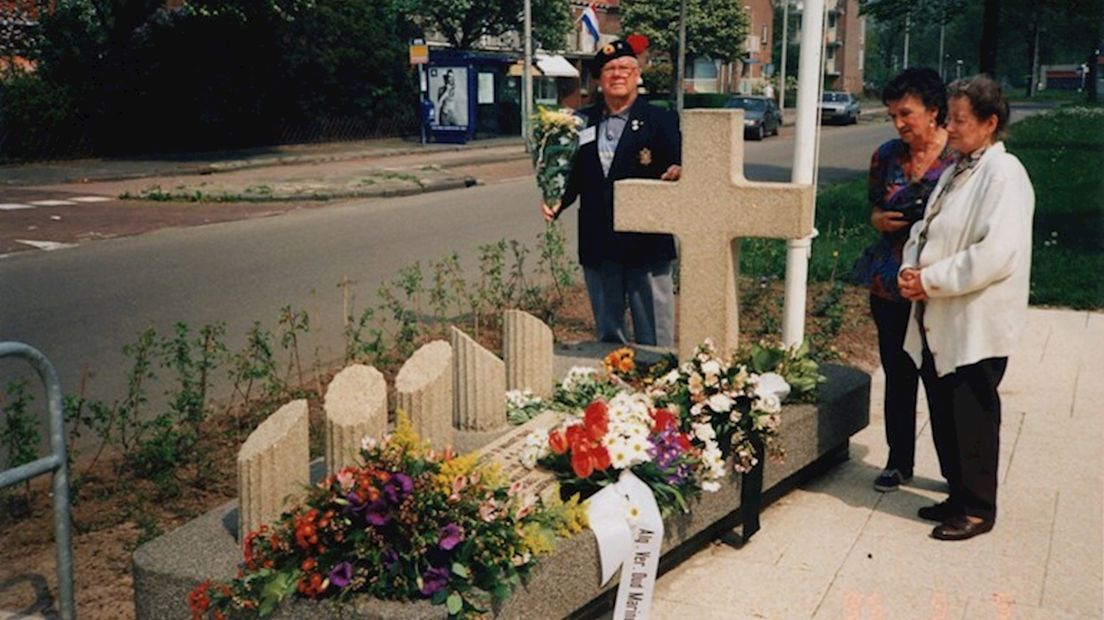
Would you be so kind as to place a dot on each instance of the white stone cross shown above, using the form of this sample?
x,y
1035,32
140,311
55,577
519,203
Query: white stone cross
x,y
709,209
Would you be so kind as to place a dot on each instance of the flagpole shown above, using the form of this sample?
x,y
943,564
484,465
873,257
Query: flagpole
x,y
527,76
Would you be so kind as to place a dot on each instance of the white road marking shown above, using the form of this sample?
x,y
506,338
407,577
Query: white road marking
x,y
52,203
90,199
46,245
12,206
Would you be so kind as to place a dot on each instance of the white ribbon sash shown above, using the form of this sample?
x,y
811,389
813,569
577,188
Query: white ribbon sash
x,y
629,542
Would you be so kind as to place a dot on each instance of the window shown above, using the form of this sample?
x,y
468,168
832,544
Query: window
x,y
763,38
702,69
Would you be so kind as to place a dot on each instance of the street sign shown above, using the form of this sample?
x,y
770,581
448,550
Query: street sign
x,y
419,52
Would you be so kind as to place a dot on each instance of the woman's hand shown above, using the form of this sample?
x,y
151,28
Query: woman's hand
x,y
672,174
888,221
911,285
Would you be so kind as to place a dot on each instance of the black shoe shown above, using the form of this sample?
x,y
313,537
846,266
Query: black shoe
x,y
939,512
960,528
890,480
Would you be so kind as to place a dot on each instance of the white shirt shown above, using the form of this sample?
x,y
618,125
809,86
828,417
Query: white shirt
x,y
975,264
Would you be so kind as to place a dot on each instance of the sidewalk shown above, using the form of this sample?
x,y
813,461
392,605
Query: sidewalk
x,y
140,167
836,548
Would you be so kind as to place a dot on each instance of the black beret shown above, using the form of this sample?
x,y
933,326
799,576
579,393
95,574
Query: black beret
x,y
609,51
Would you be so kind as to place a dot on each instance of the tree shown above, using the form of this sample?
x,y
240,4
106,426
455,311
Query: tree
x,y
464,23
715,29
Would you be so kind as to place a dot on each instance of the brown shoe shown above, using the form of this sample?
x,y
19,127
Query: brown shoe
x,y
961,528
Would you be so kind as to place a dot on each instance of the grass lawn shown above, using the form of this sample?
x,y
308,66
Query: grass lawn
x,y
1063,152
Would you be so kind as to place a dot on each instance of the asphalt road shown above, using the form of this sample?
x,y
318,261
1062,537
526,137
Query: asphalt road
x,y
81,305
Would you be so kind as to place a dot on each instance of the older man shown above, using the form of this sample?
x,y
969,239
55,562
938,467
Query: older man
x,y
624,138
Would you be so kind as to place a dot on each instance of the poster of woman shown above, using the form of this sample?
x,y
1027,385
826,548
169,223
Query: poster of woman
x,y
449,88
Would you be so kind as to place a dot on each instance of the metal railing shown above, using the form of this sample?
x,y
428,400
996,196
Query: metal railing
x,y
56,463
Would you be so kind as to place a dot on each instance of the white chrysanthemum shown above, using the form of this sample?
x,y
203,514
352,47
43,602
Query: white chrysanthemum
x,y
772,383
578,375
720,403
368,443
670,378
695,383
535,448
704,432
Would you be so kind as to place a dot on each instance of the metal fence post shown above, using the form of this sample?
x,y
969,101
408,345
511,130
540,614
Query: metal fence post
x,y
56,463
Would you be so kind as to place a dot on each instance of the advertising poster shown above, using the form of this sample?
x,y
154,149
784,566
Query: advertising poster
x,y
448,87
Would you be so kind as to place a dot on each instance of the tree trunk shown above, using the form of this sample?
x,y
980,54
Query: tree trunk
x,y
990,26
1033,45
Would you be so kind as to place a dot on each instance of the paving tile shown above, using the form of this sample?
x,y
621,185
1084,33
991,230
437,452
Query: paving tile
x,y
999,608
1075,570
856,598
737,589
979,567
663,609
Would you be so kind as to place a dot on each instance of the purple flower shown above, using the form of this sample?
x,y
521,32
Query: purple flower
x,y
450,537
378,514
389,558
398,487
434,580
341,574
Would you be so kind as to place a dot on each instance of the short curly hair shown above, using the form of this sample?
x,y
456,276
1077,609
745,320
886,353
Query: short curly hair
x,y
923,83
986,99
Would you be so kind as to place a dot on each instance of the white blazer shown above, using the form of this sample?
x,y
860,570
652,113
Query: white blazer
x,y
975,264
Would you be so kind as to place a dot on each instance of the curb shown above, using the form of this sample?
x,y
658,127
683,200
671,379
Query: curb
x,y
438,185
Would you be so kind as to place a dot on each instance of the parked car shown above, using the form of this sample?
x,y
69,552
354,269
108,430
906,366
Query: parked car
x,y
761,115
839,107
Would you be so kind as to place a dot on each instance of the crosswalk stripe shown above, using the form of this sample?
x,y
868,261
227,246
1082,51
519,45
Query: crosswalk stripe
x,y
11,206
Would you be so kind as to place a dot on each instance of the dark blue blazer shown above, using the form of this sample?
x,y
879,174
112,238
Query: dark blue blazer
x,y
643,153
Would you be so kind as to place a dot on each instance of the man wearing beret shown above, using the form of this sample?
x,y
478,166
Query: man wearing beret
x,y
624,139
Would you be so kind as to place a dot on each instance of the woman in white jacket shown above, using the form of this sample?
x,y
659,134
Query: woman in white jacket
x,y
967,269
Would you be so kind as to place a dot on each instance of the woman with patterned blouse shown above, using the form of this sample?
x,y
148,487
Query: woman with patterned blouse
x,y
903,172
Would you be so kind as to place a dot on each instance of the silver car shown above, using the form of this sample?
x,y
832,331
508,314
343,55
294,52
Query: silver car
x,y
839,107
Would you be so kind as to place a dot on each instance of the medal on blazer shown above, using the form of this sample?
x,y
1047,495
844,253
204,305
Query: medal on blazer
x,y
637,124
645,157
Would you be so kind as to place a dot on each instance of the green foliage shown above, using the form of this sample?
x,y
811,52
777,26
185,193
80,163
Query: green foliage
x,y
705,100
1063,153
715,29
113,71
464,22
253,365
795,365
20,435
658,78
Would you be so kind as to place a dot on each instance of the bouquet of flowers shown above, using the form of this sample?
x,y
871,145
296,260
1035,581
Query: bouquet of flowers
x,y
409,523
793,363
724,403
583,385
523,405
628,432
555,142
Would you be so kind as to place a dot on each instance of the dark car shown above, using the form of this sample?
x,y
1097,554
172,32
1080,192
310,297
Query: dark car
x,y
761,115
839,107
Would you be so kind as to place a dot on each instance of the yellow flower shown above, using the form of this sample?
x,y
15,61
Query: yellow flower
x,y
453,469
405,437
536,539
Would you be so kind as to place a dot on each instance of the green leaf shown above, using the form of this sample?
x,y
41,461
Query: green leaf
x,y
460,570
454,603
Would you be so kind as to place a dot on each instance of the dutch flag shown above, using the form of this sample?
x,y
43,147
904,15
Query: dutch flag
x,y
590,23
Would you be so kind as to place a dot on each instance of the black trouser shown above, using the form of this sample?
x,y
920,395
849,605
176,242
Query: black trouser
x,y
965,417
901,375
